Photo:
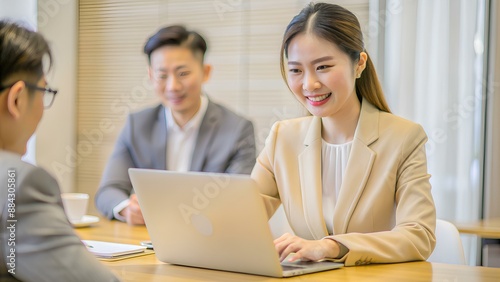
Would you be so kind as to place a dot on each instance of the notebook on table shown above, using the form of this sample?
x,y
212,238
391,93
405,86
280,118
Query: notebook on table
x,y
103,249
211,220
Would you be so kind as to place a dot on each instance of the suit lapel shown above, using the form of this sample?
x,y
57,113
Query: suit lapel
x,y
159,140
205,134
310,180
358,167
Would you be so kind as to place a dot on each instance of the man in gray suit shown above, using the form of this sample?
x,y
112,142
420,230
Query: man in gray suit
x,y
187,132
37,242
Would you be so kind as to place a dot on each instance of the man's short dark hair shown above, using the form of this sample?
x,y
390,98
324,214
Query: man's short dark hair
x,y
176,35
22,51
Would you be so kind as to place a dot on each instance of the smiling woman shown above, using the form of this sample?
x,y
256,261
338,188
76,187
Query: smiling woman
x,y
353,177
322,77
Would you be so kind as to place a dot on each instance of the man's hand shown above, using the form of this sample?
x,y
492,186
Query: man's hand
x,y
133,213
305,249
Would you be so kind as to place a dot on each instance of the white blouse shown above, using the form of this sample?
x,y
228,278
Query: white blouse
x,y
334,162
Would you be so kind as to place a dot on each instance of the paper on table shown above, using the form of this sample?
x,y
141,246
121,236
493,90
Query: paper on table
x,y
145,253
111,250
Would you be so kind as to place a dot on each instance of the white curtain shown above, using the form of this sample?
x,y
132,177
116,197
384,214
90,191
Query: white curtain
x,y
430,58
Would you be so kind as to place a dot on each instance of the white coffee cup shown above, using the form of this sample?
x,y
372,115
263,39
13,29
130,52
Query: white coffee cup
x,y
75,205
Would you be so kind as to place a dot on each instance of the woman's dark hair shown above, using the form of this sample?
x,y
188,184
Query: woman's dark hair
x,y
176,35
22,51
341,27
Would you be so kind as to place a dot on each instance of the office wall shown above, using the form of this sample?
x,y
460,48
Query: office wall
x,y
24,11
56,134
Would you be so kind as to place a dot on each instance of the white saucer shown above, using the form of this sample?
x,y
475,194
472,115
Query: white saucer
x,y
86,220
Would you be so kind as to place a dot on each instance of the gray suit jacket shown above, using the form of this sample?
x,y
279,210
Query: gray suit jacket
x,y
225,143
46,248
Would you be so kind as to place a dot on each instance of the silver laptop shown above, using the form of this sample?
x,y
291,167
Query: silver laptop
x,y
211,220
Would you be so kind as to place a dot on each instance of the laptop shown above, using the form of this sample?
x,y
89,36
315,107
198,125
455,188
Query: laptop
x,y
212,220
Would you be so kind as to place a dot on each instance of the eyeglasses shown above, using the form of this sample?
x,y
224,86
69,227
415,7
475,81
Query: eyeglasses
x,y
48,93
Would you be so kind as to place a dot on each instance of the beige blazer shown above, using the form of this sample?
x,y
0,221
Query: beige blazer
x,y
384,213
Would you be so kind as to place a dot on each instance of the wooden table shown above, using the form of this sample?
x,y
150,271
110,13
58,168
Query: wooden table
x,y
148,268
486,228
